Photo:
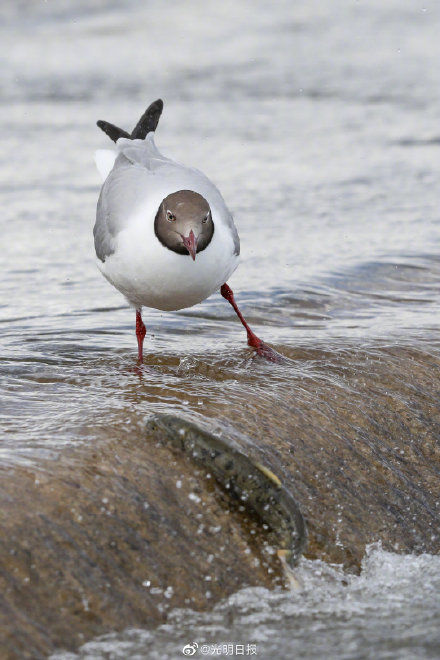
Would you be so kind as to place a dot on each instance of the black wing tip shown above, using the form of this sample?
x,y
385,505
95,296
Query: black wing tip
x,y
114,132
158,103
146,124
153,108
149,120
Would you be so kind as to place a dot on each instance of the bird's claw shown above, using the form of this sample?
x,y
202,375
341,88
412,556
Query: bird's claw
x,y
265,351
270,354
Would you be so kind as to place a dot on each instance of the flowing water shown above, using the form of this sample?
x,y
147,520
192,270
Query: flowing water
x,y
318,121
330,615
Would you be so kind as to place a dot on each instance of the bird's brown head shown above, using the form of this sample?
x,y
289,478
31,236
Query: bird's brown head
x,y
184,223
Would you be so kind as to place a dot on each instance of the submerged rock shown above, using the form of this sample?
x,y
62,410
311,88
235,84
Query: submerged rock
x,y
106,539
115,533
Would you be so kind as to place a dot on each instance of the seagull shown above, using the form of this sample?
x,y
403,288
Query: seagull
x,y
164,236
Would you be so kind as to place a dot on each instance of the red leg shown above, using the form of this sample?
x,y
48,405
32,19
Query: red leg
x,y
140,333
262,349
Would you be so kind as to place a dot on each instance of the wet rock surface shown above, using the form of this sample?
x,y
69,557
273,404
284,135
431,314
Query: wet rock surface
x,y
115,535
104,540
361,451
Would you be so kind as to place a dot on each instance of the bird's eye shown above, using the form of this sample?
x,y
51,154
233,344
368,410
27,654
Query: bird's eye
x,y
205,219
170,216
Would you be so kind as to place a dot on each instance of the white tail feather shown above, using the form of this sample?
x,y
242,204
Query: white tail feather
x,y
105,159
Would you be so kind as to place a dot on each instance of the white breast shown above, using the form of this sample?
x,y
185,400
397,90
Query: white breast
x,y
149,274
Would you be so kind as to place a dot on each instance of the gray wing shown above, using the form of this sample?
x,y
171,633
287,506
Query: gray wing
x,y
235,236
123,189
124,185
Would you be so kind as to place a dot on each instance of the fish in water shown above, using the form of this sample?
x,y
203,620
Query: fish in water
x,y
253,484
164,236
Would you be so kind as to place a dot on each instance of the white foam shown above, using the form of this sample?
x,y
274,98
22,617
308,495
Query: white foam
x,y
391,610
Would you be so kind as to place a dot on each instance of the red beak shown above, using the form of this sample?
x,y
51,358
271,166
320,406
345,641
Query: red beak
x,y
190,242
